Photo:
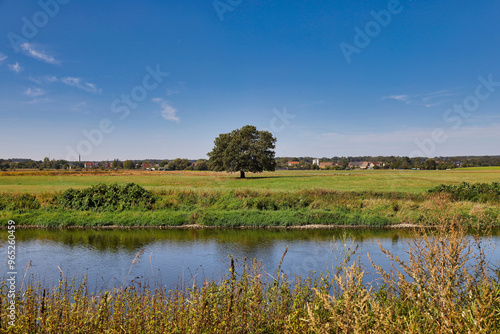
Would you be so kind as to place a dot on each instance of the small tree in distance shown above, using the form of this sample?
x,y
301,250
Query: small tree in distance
x,y
178,164
127,164
202,164
243,150
430,164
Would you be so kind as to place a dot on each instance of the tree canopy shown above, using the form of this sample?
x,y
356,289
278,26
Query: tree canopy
x,y
243,150
178,164
430,164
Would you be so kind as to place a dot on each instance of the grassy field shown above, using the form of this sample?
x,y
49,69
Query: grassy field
x,y
483,168
372,180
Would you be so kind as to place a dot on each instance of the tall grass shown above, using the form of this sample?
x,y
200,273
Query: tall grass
x,y
447,286
19,202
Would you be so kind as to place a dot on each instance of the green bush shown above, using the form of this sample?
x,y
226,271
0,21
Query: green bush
x,y
475,192
22,202
106,197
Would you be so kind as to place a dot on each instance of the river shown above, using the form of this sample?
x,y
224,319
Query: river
x,y
177,257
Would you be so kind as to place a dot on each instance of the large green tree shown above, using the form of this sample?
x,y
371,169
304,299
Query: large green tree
x,y
243,150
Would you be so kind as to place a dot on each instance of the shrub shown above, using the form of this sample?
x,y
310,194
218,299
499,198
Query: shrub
x,y
106,197
476,192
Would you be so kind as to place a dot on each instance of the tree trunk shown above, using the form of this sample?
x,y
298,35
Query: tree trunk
x,y
242,174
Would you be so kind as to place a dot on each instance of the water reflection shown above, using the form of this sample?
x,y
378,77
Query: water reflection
x,y
133,239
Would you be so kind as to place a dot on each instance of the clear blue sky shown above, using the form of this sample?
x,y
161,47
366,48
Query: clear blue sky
x,y
328,78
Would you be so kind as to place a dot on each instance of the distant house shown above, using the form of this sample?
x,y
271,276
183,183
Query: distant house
x,y
146,166
359,164
89,165
316,161
365,164
326,164
292,163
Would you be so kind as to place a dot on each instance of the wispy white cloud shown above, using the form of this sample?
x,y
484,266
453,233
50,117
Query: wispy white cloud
x,y
427,100
15,67
403,98
2,57
51,78
79,83
38,81
29,50
167,111
43,80
171,92
34,92
37,100
311,104
81,108
68,81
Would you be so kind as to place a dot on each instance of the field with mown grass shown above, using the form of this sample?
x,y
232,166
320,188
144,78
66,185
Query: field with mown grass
x,y
412,181
283,198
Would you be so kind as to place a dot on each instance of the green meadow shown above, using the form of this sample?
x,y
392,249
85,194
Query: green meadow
x,y
411,181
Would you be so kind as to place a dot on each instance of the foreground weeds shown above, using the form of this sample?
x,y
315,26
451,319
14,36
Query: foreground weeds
x,y
446,286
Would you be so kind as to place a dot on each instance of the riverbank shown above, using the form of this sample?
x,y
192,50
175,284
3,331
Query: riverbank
x,y
288,199
244,208
202,227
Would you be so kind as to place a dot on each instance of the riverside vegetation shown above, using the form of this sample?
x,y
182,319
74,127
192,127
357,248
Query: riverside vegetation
x,y
447,286
132,205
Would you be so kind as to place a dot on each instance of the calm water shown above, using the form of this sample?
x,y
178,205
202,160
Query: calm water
x,y
177,256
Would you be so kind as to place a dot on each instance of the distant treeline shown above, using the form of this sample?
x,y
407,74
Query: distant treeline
x,y
391,162
380,162
152,164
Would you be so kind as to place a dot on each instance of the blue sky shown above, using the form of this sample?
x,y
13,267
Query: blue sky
x,y
161,79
